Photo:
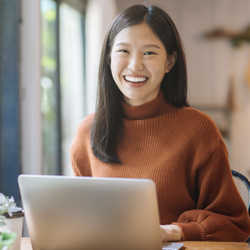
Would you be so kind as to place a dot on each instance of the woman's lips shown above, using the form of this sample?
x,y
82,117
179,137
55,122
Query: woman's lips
x,y
135,81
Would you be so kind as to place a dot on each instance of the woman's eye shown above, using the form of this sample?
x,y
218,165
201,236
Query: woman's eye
x,y
150,53
123,51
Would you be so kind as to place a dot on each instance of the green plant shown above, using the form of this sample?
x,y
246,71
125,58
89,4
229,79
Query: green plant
x,y
6,239
6,205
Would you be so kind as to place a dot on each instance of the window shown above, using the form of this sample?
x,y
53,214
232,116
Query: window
x,y
62,82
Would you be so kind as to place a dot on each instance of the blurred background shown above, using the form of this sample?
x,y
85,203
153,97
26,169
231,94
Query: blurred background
x,y
49,56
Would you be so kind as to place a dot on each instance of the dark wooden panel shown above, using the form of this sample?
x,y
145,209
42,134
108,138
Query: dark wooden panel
x,y
9,97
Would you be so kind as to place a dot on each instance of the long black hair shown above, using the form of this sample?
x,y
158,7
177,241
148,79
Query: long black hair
x,y
107,125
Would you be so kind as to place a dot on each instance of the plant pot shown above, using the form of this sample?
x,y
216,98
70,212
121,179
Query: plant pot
x,y
14,224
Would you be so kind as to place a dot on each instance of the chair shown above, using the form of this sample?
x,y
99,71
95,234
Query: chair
x,y
246,182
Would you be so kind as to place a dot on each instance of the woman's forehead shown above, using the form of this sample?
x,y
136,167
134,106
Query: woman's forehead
x,y
137,34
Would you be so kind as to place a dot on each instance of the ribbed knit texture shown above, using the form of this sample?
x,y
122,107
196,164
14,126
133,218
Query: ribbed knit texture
x,y
182,150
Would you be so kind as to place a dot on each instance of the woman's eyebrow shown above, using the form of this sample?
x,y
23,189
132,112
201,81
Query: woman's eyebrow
x,y
122,44
144,46
151,45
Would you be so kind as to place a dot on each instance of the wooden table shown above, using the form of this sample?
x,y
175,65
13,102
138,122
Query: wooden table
x,y
188,245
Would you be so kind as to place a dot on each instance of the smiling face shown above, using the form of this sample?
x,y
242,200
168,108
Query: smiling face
x,y
139,62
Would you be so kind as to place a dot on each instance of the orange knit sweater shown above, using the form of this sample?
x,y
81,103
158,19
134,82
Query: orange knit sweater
x,y
183,152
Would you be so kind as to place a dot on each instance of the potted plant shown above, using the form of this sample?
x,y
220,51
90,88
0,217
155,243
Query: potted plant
x,y
11,223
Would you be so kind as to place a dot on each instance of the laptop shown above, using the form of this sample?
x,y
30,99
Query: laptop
x,y
78,213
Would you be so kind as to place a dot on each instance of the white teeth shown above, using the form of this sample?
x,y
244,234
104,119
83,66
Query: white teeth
x,y
135,79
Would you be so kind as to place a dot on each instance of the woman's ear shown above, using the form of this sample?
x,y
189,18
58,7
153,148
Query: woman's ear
x,y
171,61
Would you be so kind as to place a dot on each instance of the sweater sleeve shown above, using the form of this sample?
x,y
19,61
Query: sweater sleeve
x,y
221,214
80,149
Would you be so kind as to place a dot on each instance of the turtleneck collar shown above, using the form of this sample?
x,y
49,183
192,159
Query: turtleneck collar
x,y
151,109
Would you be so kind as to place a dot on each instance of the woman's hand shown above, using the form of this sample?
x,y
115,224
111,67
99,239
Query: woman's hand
x,y
170,233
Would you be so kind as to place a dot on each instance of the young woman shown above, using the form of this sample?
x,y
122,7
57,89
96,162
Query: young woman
x,y
144,128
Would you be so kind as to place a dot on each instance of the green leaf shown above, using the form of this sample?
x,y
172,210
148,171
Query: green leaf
x,y
7,238
2,223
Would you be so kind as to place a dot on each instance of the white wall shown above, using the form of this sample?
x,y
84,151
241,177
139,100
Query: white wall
x,y
240,127
30,96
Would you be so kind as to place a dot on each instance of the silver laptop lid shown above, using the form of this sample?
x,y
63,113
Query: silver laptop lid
x,y
90,213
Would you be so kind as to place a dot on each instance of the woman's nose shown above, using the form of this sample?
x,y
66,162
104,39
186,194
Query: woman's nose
x,y
135,63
